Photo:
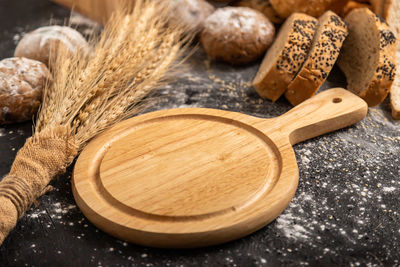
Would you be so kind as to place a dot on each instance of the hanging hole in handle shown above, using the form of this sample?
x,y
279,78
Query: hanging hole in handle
x,y
337,100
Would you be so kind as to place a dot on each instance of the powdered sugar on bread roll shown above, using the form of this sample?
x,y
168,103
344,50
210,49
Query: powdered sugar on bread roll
x,y
328,39
43,42
286,56
21,84
237,35
368,56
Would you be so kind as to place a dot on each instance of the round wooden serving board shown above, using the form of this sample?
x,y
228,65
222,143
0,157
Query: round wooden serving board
x,y
196,177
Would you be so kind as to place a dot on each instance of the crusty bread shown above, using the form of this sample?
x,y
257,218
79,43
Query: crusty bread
x,y
395,92
391,13
43,43
236,35
351,5
368,56
286,56
328,39
377,6
22,81
315,8
264,6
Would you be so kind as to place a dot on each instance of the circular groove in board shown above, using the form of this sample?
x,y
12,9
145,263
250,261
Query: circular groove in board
x,y
195,167
231,172
118,187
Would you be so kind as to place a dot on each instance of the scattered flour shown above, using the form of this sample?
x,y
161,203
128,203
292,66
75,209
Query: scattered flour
x,y
55,210
388,189
89,26
290,229
19,35
291,223
36,214
2,132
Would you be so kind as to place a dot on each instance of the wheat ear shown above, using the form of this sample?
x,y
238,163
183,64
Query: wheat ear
x,y
138,47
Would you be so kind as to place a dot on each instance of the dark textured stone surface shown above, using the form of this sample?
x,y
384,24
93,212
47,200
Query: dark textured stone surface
x,y
345,211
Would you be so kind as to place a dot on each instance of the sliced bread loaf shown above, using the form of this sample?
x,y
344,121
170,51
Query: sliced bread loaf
x,y
328,39
392,15
368,56
285,57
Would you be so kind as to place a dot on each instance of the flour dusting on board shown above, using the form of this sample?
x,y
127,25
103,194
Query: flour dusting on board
x,y
2,132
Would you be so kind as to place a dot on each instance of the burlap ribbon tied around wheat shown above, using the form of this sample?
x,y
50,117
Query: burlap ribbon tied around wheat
x,y
41,159
138,49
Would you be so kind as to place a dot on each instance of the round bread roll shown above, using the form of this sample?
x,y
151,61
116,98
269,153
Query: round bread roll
x,y
21,84
237,35
43,42
192,13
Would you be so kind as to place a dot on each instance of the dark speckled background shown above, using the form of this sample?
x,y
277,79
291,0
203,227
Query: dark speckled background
x,y
345,211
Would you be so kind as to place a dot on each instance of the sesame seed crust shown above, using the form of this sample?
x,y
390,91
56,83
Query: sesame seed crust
x,y
324,52
272,82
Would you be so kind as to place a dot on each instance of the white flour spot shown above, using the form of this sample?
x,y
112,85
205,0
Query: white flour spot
x,y
19,35
16,38
2,132
388,189
293,226
286,224
79,20
36,214
89,27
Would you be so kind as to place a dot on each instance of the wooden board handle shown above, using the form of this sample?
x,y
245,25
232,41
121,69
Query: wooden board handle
x,y
328,111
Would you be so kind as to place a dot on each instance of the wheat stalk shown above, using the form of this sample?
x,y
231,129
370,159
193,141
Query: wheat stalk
x,y
131,58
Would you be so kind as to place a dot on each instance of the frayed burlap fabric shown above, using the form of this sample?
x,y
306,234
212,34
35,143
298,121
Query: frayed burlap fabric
x,y
42,158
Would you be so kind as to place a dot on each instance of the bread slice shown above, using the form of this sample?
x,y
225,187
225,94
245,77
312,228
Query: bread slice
x,y
395,92
392,15
285,57
315,8
264,6
328,39
368,56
